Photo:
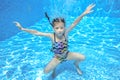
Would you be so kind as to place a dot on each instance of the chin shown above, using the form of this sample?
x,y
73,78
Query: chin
x,y
60,34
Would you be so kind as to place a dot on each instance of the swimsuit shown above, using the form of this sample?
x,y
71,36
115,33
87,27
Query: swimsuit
x,y
60,49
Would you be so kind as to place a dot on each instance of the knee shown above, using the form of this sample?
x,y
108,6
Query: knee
x,y
83,57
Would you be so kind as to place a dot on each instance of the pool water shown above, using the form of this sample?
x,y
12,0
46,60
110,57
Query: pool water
x,y
24,56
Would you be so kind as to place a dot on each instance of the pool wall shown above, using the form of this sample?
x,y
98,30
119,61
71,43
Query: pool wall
x,y
27,12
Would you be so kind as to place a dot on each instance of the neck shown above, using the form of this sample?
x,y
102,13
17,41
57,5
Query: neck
x,y
59,36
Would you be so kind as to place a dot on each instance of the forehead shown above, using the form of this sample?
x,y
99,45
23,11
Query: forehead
x,y
58,24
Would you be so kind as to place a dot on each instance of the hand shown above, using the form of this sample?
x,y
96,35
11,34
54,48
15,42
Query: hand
x,y
18,25
89,9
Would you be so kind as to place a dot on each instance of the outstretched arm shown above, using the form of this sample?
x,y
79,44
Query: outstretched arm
x,y
87,11
35,32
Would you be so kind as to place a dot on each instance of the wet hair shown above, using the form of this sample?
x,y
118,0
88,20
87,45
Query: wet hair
x,y
58,20
55,20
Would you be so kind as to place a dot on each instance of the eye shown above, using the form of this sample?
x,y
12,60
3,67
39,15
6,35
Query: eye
x,y
62,27
56,28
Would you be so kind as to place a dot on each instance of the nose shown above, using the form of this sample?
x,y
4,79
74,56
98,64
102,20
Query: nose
x,y
60,30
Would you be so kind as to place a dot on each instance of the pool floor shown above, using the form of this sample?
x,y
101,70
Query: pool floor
x,y
24,56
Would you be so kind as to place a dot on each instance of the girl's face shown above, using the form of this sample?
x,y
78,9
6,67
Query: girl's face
x,y
59,28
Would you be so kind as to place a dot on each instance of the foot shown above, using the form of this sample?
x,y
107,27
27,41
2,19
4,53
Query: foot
x,y
53,74
78,69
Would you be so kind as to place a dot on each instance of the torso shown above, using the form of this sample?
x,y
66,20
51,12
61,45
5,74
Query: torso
x,y
59,46
54,38
60,52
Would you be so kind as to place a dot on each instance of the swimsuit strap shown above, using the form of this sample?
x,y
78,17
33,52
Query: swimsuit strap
x,y
55,38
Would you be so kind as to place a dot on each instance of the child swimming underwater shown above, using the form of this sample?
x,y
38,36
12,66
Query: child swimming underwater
x,y
59,41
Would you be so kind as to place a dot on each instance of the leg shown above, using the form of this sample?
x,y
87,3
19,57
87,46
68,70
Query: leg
x,y
51,65
54,73
77,57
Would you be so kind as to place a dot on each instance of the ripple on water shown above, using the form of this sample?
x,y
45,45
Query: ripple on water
x,y
24,56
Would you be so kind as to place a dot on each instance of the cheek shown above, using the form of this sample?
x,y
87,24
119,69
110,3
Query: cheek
x,y
55,30
63,29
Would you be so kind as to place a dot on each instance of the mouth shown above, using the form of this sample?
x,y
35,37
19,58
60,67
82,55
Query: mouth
x,y
60,33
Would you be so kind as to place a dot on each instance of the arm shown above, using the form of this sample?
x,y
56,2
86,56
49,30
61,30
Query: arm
x,y
87,11
35,32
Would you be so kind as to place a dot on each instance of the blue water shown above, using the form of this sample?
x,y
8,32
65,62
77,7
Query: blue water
x,y
24,56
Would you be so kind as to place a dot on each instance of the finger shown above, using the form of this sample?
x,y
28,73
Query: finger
x,y
92,5
91,11
89,5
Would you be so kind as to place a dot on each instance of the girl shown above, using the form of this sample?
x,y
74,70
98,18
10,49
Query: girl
x,y
59,41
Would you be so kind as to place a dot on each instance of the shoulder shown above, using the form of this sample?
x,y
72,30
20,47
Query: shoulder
x,y
52,36
66,33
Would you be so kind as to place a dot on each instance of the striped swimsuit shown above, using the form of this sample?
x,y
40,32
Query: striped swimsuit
x,y
60,49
